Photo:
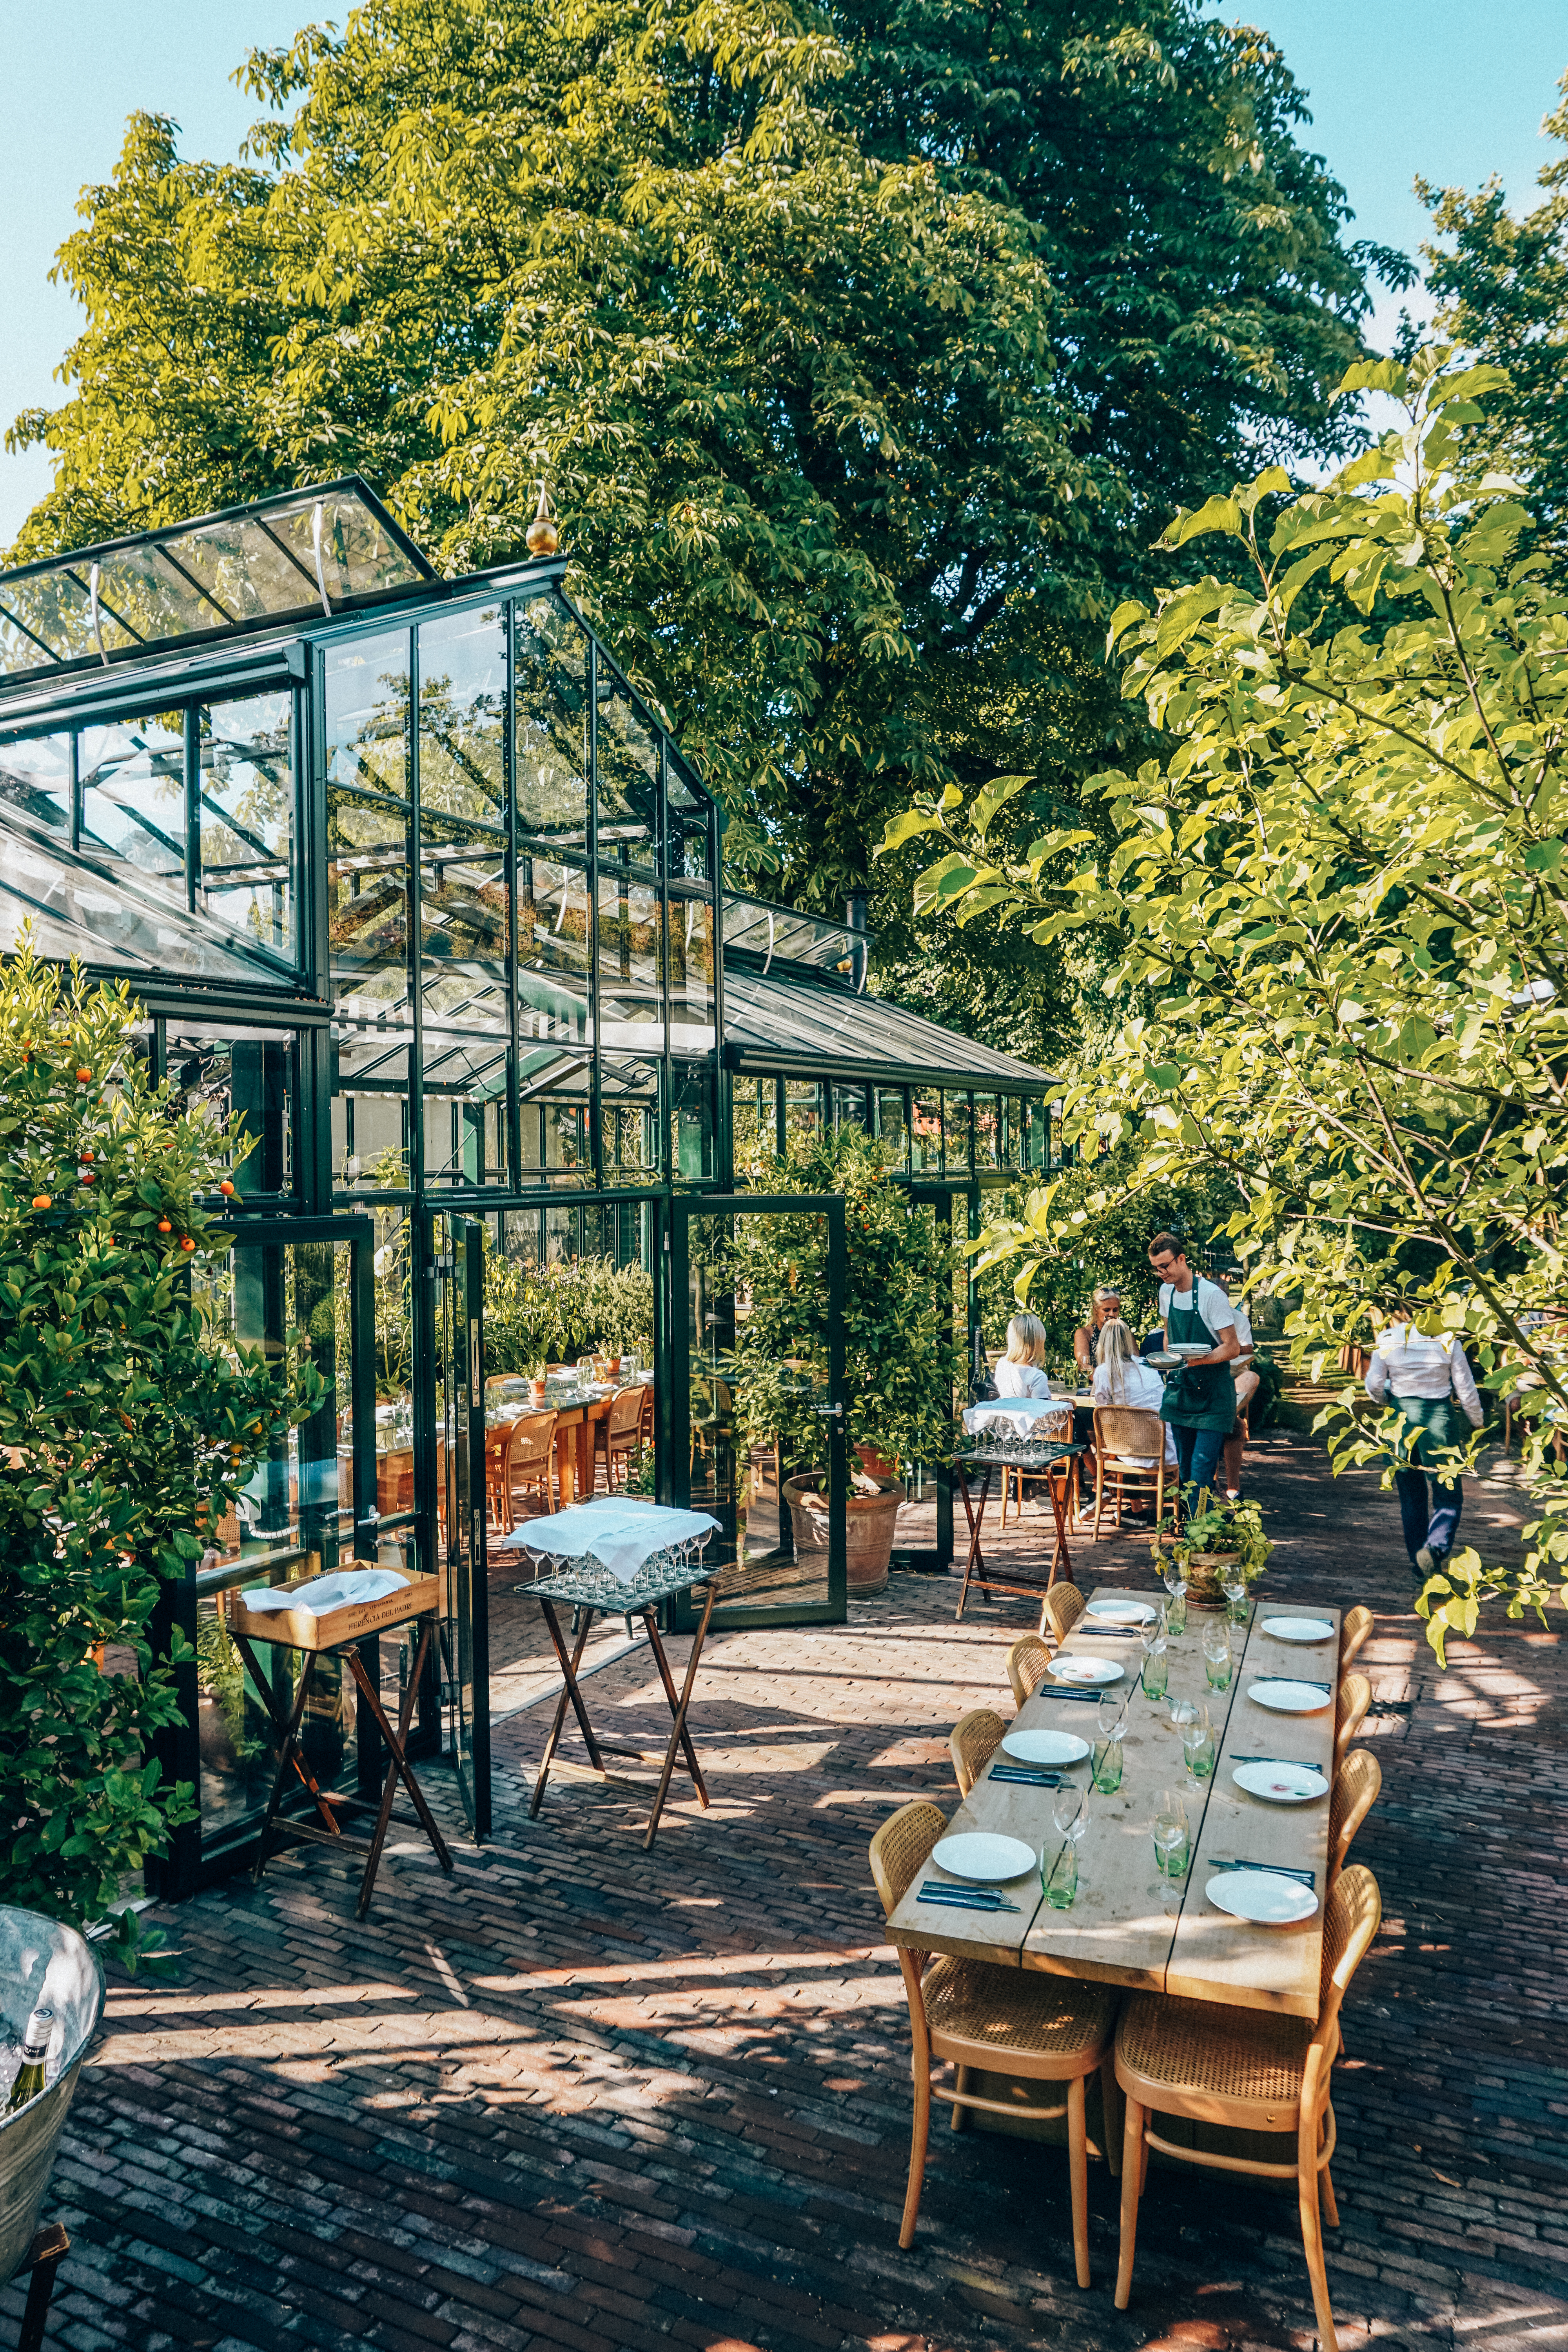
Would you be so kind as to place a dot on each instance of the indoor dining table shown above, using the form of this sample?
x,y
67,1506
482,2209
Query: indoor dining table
x,y
1123,1928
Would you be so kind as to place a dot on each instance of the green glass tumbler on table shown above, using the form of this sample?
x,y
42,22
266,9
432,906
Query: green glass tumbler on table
x,y
1175,1608
1233,1584
1172,1851
1105,1757
1156,1670
1197,1743
1217,1656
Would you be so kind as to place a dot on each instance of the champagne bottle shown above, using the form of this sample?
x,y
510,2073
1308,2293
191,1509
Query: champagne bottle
x,y
29,2079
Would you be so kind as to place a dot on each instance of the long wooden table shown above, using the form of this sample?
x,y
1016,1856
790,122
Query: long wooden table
x,y
1118,1930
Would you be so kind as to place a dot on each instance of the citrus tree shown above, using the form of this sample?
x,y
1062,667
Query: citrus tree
x,y
124,1432
1343,900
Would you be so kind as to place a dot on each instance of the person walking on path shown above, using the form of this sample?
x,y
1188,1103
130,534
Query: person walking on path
x,y
1431,1382
1200,1400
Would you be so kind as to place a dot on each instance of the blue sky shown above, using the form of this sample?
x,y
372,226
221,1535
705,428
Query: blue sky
x,y
1451,89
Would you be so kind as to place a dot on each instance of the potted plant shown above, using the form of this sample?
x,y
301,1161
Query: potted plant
x,y
537,1374
1216,1536
902,1360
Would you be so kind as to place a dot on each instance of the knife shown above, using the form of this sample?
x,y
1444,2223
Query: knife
x,y
1028,1779
1290,1763
1074,1691
959,1899
1273,1869
1304,1681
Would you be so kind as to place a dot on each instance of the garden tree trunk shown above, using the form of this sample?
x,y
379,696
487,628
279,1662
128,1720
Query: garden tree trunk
x,y
870,1515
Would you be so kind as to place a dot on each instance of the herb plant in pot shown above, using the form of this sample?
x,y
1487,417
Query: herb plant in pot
x,y
902,1362
1215,1537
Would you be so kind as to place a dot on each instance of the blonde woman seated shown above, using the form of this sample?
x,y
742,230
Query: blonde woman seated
x,y
1019,1373
1121,1377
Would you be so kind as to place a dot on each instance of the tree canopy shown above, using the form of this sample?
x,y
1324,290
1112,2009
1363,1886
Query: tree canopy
x,y
858,350
1344,886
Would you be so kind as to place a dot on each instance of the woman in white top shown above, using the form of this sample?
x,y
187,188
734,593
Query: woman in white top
x,y
1427,1378
1019,1373
1121,1377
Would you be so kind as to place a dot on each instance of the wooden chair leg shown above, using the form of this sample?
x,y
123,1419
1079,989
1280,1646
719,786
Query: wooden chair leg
x,y
1099,1497
1331,2207
961,2115
1111,2104
1317,2270
918,2138
1132,2153
1078,2172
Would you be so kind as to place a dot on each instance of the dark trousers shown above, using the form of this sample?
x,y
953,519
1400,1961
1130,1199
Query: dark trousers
x,y
1197,1459
1429,1509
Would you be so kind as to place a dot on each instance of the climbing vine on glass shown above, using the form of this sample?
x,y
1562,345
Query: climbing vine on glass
x,y
125,1433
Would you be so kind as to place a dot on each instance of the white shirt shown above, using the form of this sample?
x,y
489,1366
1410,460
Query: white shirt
x,y
1215,1309
1143,1394
1243,1328
1020,1379
1409,1364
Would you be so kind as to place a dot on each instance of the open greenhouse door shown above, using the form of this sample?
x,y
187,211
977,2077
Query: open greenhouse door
x,y
756,1399
460,1512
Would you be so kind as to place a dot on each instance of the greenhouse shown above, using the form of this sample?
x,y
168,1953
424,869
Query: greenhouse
x,y
404,872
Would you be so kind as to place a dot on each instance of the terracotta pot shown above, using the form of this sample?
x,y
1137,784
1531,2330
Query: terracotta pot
x,y
41,1960
868,1522
1203,1578
537,1392
875,1464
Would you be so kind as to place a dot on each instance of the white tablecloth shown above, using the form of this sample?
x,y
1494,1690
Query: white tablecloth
x,y
619,1535
1038,1417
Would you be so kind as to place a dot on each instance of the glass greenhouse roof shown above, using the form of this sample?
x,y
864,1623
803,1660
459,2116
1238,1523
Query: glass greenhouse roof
x,y
304,550
776,1025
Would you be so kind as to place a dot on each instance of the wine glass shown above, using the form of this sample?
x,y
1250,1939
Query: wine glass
x,y
1110,1726
1217,1656
1233,1584
1197,1742
1171,1849
1175,1609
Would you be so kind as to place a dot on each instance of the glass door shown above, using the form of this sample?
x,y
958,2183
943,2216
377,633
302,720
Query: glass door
x,y
459,1534
756,1419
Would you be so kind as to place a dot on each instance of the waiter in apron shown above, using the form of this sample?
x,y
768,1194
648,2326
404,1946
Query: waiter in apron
x,y
1431,1382
1200,1400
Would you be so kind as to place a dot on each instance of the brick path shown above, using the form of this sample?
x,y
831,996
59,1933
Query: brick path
x,y
602,2101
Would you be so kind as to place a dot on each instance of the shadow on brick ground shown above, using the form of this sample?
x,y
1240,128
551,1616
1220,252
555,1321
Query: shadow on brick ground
x,y
607,2101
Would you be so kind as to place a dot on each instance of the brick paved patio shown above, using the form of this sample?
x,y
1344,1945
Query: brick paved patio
x,y
601,2100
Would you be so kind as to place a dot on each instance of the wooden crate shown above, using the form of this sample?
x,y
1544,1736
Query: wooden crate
x,y
296,1630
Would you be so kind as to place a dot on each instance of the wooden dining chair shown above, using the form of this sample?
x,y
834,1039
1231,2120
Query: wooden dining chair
x,y
498,1476
1356,1784
972,1743
532,1461
1028,1664
645,1426
975,2016
1252,2071
1355,1697
1355,1631
1124,1439
617,1437
1063,1605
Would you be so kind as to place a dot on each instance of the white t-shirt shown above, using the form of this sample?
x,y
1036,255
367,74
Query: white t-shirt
x,y
1144,1391
1217,1313
1243,1328
1020,1379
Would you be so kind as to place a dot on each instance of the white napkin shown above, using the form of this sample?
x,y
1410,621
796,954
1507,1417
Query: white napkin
x,y
1017,1416
342,1589
620,1535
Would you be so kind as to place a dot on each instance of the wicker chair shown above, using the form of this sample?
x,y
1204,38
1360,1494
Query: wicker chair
x,y
1354,1698
1064,1604
1356,1784
498,1476
1028,1664
617,1437
1124,1438
971,2015
972,1743
1355,1630
533,1468
1252,2071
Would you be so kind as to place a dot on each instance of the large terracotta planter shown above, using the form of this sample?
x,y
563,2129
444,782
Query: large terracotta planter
x,y
41,1961
1203,1572
870,1515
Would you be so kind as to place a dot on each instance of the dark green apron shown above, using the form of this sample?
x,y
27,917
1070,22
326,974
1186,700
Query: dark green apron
x,y
1200,1396
1430,1424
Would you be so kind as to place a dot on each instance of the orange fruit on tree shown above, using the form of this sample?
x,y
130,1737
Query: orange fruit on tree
x,y
226,1187
187,1243
164,1226
82,1077
42,1200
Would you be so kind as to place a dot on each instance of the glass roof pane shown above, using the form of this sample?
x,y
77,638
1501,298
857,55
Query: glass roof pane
x,y
55,607
145,590
243,569
358,554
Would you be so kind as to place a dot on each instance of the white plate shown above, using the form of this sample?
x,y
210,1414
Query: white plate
x,y
1191,1347
1044,1746
1298,1629
1084,1670
1291,1699
984,1857
1258,1896
1121,1613
1281,1784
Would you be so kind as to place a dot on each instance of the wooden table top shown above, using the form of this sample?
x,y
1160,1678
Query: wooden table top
x,y
1118,1930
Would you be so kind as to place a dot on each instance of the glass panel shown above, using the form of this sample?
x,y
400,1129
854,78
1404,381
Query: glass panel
x,y
75,912
247,814
890,1120
462,720
147,591
850,1108
627,797
925,1141
245,1070
691,998
754,1124
1013,1125
685,820
560,1235
35,781
631,1002
987,1140
956,1124
243,569
802,1109
367,715
693,1121
794,939
56,609
368,895
133,795
629,1102
466,1036
359,555
552,943
551,739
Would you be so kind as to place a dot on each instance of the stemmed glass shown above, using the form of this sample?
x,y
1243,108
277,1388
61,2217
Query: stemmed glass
x,y
1197,1742
1171,1849
1111,1723
1175,1609
1156,1665
1217,1656
1069,1813
1233,1584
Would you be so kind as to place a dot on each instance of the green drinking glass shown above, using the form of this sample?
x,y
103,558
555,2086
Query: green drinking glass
x,y
1061,1878
1156,1673
1105,1764
1216,1656
1176,1613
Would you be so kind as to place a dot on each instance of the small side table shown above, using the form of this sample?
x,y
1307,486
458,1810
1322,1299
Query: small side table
x,y
591,1590
337,1635
1044,1456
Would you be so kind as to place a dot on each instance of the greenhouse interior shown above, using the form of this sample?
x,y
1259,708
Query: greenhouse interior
x,y
404,872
